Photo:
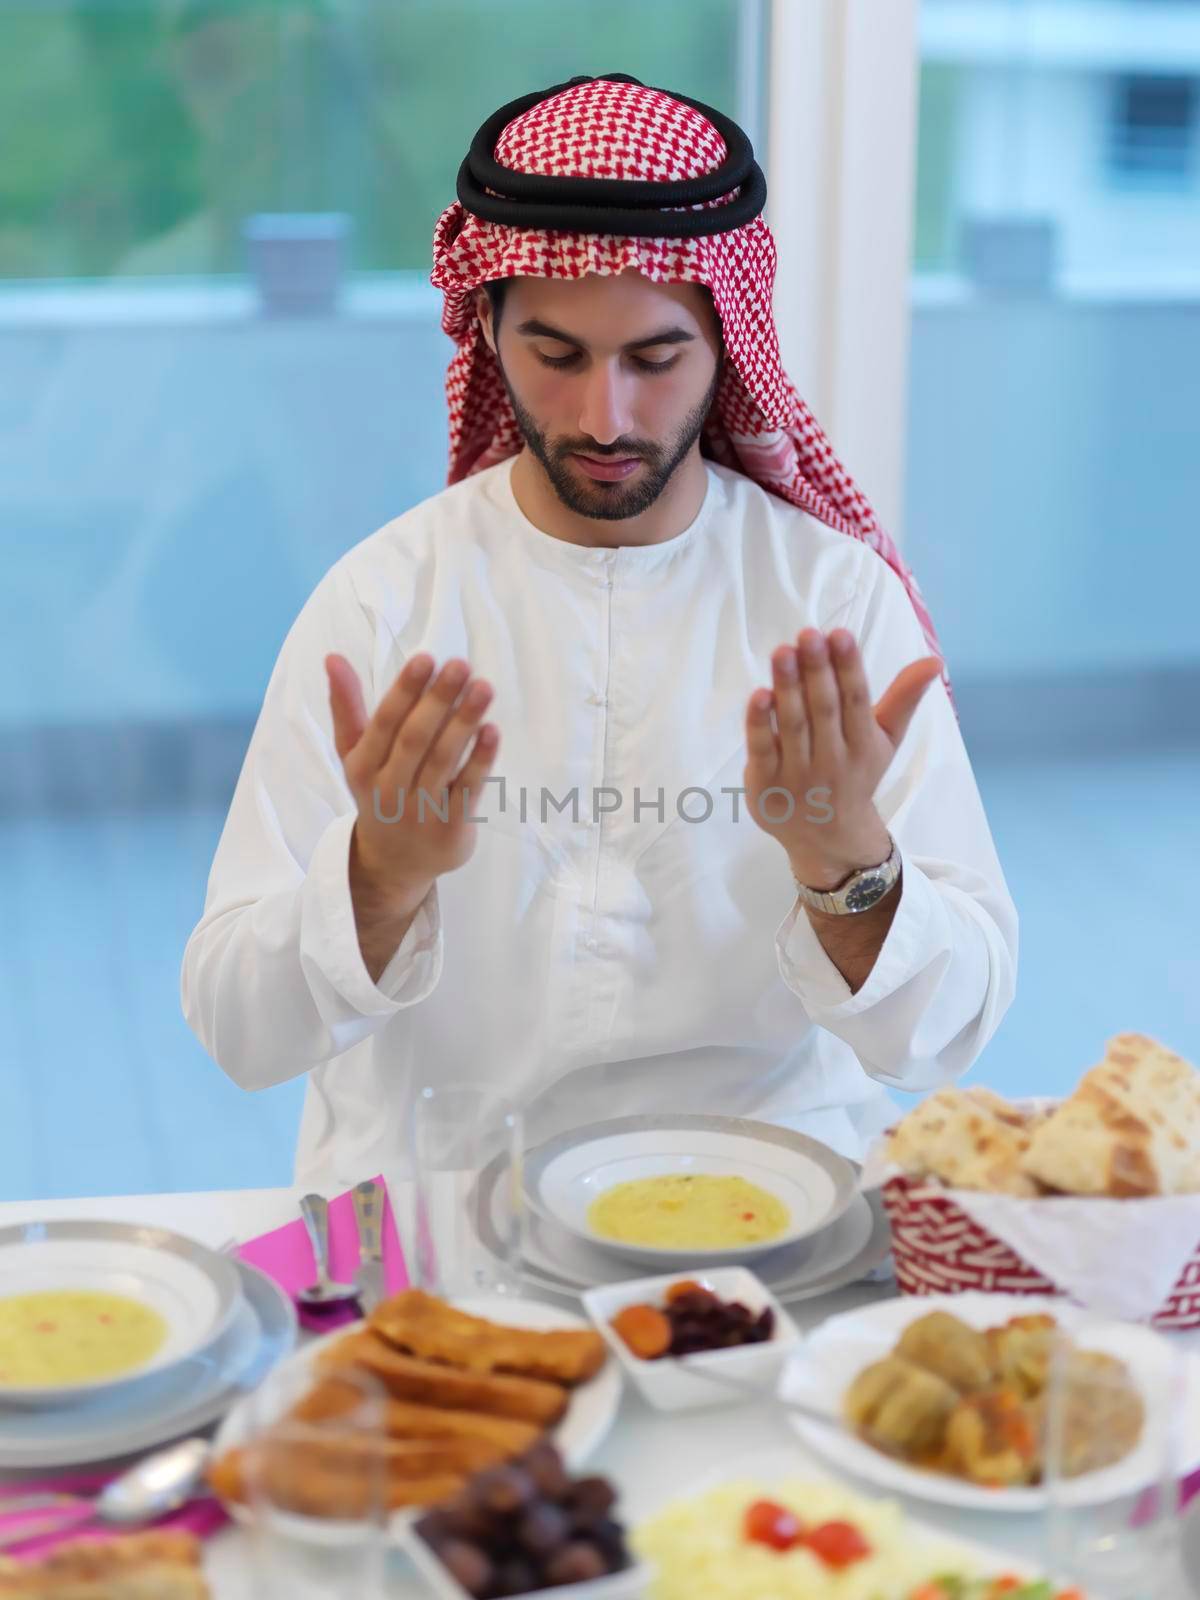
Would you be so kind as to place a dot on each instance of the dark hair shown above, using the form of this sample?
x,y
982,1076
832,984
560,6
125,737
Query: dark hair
x,y
496,289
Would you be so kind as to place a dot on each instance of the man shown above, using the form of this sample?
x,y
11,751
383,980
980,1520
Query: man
x,y
687,863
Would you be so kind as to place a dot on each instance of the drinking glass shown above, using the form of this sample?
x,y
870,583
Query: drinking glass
x,y
1114,1457
316,1480
465,1229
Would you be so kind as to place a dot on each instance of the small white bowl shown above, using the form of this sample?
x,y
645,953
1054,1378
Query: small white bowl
x,y
632,1584
668,1383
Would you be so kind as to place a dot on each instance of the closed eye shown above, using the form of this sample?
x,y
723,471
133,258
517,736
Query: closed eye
x,y
569,361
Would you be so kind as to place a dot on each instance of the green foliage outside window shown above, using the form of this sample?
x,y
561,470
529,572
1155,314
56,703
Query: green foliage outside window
x,y
137,135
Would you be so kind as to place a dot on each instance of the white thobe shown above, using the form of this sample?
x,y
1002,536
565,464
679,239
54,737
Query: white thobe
x,y
615,950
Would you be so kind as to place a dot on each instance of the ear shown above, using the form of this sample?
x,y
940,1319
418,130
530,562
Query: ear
x,y
483,310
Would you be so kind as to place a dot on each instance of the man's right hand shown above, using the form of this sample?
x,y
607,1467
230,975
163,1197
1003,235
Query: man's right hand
x,y
416,739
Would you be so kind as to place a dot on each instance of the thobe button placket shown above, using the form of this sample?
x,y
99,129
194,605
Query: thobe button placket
x,y
603,562
597,699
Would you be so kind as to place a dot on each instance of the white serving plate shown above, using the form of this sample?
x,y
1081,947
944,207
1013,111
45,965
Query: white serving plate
x,y
669,1384
590,1414
195,1290
166,1405
769,1469
832,1355
566,1175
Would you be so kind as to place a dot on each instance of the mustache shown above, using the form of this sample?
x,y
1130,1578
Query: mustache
x,y
607,455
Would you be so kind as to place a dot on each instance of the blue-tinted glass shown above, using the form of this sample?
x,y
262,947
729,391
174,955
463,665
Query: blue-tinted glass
x,y
1053,488
221,365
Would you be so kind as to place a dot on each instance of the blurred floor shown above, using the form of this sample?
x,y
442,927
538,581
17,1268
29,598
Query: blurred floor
x,y
104,1089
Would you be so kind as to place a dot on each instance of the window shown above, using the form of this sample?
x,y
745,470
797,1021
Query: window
x,y
1153,133
180,470
1051,490
142,135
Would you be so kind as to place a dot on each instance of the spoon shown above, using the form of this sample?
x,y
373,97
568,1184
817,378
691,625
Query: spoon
x,y
159,1483
324,1295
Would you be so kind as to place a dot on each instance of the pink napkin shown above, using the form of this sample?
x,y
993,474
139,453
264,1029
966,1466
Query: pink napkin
x,y
286,1255
1146,1508
200,1517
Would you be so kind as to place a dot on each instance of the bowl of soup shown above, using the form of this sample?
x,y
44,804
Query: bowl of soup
x,y
669,1191
86,1306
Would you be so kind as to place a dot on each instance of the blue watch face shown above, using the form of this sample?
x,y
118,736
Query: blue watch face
x,y
865,893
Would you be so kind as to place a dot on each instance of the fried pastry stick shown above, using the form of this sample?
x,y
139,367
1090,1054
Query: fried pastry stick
x,y
432,1384
333,1400
427,1327
346,1477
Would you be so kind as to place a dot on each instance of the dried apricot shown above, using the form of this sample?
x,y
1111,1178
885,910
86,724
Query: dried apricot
x,y
645,1330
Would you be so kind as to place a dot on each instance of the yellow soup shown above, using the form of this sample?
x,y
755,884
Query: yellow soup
x,y
66,1336
688,1211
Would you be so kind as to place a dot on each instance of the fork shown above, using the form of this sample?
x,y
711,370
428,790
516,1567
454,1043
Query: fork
x,y
14,1505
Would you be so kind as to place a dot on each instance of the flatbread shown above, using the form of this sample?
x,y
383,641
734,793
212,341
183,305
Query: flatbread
x,y
1132,1128
967,1138
160,1564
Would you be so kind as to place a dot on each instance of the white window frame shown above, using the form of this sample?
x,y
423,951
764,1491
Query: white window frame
x,y
842,82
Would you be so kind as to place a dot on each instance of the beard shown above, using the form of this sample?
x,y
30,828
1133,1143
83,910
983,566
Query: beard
x,y
613,502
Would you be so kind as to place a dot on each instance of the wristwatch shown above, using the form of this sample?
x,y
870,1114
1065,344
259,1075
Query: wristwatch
x,y
859,892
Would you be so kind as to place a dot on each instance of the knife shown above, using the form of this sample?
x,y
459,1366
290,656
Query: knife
x,y
368,1214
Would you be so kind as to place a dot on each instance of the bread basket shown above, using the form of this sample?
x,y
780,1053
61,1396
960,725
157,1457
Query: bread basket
x,y
1096,1197
940,1249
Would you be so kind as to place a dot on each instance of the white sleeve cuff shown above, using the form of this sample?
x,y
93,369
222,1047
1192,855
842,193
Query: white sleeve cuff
x,y
329,936
918,932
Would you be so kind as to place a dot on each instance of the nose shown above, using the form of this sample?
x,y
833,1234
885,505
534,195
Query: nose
x,y
607,412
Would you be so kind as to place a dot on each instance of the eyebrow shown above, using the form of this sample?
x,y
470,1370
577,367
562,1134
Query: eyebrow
x,y
537,329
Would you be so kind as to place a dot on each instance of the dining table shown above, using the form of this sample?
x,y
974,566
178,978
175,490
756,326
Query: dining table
x,y
650,1456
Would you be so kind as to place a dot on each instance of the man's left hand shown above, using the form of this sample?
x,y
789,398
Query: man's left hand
x,y
827,750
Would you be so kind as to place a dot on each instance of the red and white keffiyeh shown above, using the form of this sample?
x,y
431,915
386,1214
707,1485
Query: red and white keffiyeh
x,y
603,129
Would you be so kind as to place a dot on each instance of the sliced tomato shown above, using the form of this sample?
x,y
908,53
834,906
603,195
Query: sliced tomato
x,y
771,1524
837,1544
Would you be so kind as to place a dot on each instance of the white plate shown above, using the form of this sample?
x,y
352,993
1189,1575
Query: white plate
x,y
590,1413
767,1469
166,1405
570,1260
195,1290
564,1176
556,1262
833,1355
